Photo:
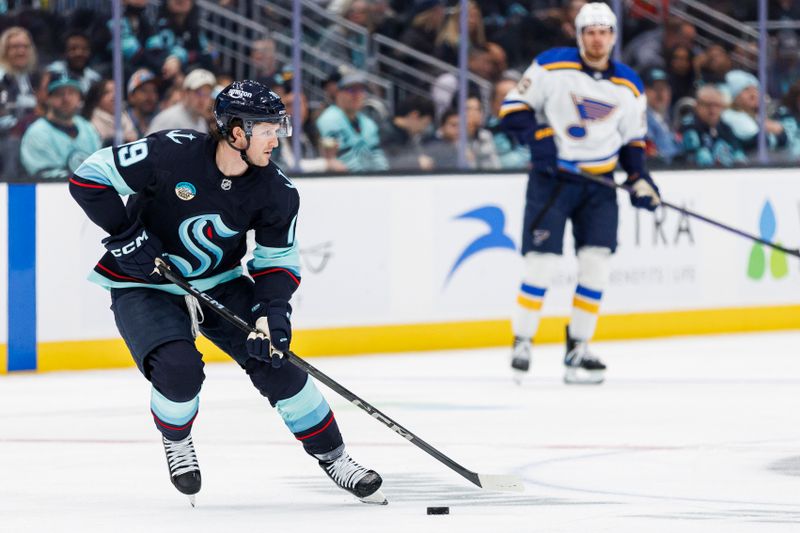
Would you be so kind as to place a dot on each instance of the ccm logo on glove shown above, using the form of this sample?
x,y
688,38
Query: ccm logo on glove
x,y
131,246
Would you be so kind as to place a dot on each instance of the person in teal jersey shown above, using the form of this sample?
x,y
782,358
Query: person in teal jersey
x,y
56,144
359,146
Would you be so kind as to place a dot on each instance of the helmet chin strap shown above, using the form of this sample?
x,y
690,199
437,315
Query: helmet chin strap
x,y
242,151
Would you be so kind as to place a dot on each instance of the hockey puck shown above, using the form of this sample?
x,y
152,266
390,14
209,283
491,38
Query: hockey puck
x,y
438,510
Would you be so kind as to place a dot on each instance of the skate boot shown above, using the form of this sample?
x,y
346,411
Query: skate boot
x,y
184,471
362,483
581,366
520,358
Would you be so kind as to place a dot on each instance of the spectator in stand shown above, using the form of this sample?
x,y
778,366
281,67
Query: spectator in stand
x,y
356,135
56,144
445,88
647,49
662,141
480,140
426,18
680,68
98,108
142,100
713,64
707,141
311,160
512,154
339,41
178,42
19,80
788,115
195,108
263,61
404,135
135,28
742,117
449,37
443,148
77,52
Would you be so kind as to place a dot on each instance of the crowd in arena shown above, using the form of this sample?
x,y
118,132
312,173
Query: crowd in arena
x,y
57,88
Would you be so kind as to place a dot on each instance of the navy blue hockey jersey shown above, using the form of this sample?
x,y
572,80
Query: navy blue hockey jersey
x,y
201,216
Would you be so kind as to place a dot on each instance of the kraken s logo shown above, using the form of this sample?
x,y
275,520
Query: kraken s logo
x,y
196,234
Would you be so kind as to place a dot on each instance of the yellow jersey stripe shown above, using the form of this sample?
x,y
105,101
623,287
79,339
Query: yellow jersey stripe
x,y
600,168
626,83
562,65
542,133
512,108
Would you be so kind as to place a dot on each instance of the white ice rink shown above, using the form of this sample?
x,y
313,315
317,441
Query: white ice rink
x,y
689,434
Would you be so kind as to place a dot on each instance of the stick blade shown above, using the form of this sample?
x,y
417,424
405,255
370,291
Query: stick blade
x,y
501,483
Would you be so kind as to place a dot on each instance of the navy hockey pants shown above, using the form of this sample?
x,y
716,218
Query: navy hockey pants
x,y
157,329
550,202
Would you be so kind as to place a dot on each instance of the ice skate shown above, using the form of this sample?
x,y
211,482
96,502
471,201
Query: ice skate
x,y
184,471
581,366
520,358
362,483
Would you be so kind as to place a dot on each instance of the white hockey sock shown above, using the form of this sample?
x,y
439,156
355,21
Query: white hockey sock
x,y
592,279
535,280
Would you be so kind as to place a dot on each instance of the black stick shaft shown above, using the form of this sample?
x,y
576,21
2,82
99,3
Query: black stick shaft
x,y
317,374
610,183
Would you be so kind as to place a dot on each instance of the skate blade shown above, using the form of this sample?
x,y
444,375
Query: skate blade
x,y
376,498
192,500
518,376
580,376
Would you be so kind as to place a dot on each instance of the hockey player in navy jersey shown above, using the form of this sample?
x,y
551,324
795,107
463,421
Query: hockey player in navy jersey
x,y
576,109
192,199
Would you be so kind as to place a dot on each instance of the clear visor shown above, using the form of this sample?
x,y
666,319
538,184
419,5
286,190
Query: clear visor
x,y
272,127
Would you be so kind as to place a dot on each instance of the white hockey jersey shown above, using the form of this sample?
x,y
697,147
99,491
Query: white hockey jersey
x,y
592,114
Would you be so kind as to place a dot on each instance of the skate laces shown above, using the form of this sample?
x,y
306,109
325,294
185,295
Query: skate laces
x,y
181,457
346,472
580,354
195,313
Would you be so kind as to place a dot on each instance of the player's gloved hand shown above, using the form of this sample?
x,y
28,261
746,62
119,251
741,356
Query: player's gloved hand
x,y
544,154
271,342
644,192
135,251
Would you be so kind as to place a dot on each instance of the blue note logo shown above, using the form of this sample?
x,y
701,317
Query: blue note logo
x,y
589,110
495,220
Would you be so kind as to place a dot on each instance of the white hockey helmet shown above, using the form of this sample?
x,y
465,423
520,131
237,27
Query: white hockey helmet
x,y
595,14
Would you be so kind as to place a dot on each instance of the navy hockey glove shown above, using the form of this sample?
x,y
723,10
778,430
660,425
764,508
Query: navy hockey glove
x,y
135,251
544,154
644,193
274,332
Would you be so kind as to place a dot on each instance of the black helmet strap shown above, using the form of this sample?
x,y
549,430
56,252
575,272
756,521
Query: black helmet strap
x,y
242,151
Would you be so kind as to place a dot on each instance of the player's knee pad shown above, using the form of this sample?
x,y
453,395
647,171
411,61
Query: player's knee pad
x,y
593,267
176,370
539,268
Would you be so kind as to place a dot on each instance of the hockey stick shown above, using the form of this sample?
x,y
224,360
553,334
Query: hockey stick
x,y
484,481
572,169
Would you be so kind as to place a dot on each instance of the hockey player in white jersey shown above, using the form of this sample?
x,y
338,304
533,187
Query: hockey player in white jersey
x,y
577,109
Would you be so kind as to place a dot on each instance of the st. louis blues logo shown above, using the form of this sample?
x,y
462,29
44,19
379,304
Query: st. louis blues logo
x,y
196,234
495,219
589,110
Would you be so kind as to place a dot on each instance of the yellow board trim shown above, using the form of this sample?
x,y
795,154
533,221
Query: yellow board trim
x,y
562,64
585,306
626,83
529,303
82,355
3,359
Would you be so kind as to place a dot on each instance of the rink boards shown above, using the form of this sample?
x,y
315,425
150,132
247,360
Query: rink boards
x,y
394,264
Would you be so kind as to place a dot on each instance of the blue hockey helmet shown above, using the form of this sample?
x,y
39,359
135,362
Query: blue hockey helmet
x,y
251,102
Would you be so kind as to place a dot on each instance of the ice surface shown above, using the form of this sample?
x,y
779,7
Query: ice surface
x,y
687,434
